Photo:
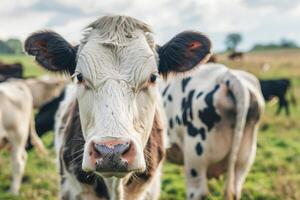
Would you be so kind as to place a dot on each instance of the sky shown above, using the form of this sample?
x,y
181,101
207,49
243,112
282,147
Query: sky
x,y
259,21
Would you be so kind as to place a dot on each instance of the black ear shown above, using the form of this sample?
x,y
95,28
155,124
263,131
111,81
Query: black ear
x,y
183,52
52,51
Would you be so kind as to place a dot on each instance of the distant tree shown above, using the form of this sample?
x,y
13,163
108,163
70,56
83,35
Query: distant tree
x,y
15,45
282,44
5,49
232,41
286,43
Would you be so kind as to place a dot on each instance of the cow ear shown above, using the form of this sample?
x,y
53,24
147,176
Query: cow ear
x,y
183,52
52,51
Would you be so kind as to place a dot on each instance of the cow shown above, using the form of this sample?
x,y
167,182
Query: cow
x,y
213,59
16,124
213,118
110,130
278,88
10,71
45,117
43,88
236,55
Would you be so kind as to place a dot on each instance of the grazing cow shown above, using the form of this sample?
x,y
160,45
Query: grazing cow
x,y
212,59
16,123
213,120
10,71
236,55
110,131
277,88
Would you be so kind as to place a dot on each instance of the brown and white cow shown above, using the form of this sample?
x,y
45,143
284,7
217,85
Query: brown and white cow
x,y
213,120
16,123
110,133
44,88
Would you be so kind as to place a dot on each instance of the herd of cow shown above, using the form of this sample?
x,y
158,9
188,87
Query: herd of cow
x,y
116,121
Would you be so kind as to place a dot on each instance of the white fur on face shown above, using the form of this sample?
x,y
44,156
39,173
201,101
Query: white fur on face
x,y
119,101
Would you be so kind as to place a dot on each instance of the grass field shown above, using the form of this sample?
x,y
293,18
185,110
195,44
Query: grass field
x,y
275,174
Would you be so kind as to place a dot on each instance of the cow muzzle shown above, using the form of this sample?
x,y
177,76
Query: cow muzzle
x,y
113,156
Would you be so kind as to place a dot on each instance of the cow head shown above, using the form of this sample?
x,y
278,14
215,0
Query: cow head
x,y
116,67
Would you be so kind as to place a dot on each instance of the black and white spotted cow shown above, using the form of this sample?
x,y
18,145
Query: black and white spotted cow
x,y
213,120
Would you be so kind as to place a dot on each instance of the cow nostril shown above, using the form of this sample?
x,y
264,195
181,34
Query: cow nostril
x,y
124,148
128,152
97,148
100,150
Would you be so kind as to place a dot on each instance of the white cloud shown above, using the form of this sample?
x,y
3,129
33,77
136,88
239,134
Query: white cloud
x,y
22,25
295,12
7,6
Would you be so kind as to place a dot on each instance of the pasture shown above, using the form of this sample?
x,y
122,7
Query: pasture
x,y
274,176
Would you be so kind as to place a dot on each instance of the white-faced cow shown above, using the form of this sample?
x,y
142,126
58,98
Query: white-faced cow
x,y
110,138
16,122
213,119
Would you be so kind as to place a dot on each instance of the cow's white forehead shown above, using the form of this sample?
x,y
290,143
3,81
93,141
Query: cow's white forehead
x,y
132,63
117,47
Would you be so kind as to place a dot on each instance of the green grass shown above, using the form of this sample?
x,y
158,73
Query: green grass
x,y
275,174
40,180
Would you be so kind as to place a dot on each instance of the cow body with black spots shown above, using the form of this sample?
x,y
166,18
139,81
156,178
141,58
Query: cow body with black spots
x,y
110,127
213,120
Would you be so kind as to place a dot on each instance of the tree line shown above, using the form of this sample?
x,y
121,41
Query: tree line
x,y
11,46
233,40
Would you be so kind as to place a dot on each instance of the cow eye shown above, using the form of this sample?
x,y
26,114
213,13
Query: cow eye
x,y
153,78
79,78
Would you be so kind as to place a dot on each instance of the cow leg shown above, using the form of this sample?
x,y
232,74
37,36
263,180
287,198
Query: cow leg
x,y
18,158
196,183
246,158
287,109
283,103
279,108
195,173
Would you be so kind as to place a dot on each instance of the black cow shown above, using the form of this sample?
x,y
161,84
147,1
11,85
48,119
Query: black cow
x,y
212,59
236,55
277,88
45,118
10,71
